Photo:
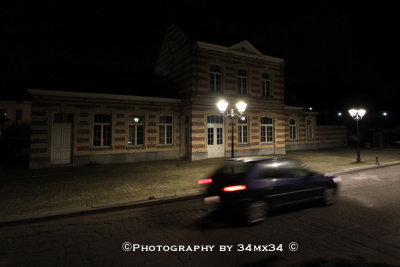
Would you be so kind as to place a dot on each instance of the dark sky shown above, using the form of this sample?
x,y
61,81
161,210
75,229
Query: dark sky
x,y
338,54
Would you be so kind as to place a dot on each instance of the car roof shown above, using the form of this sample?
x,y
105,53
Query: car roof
x,y
256,159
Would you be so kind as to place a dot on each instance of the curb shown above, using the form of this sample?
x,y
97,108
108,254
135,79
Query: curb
x,y
369,167
96,210
145,203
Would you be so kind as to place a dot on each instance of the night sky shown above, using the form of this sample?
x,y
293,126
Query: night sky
x,y
338,54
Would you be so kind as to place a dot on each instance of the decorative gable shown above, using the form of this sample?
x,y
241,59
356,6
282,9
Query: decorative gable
x,y
245,46
169,52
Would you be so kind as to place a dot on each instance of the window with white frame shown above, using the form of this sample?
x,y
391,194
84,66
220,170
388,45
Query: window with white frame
x,y
266,84
292,129
309,130
215,78
210,136
215,119
102,130
242,130
266,124
136,130
166,130
219,136
242,81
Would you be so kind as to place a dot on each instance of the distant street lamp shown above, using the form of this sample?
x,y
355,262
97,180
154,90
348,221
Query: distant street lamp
x,y
357,114
240,106
384,114
339,114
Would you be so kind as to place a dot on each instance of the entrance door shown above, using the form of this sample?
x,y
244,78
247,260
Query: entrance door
x,y
61,137
215,137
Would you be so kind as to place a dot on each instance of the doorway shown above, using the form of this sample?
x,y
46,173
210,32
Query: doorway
x,y
215,136
61,138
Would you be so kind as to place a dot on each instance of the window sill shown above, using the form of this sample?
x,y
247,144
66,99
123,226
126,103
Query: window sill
x,y
243,145
95,148
215,92
165,146
128,147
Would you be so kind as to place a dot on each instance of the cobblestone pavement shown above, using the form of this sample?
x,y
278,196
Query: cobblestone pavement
x,y
34,193
362,229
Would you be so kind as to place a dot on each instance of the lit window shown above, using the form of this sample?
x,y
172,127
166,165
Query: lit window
x,y
136,130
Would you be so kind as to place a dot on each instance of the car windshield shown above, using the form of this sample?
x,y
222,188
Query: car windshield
x,y
232,170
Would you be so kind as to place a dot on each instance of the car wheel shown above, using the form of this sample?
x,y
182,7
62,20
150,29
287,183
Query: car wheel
x,y
256,212
329,196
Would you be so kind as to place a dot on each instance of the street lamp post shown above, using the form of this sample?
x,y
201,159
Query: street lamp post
x,y
240,106
357,114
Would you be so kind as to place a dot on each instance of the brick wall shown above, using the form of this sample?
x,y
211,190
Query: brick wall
x,y
82,129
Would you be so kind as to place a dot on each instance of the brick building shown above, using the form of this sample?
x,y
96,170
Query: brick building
x,y
205,73
80,128
15,112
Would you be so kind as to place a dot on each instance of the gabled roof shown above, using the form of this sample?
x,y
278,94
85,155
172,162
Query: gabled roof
x,y
251,52
245,46
207,38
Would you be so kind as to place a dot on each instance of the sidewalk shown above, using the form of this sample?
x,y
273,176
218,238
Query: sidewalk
x,y
26,194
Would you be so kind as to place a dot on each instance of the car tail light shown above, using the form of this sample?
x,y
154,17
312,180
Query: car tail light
x,y
234,188
205,181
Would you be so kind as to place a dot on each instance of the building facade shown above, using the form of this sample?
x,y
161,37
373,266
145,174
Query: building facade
x,y
83,128
204,73
14,113
15,117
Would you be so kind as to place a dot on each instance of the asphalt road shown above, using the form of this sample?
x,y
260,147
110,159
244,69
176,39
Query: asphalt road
x,y
361,229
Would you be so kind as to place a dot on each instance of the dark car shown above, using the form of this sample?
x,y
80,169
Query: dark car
x,y
254,185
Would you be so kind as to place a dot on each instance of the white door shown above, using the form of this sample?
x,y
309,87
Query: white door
x,y
215,140
61,143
